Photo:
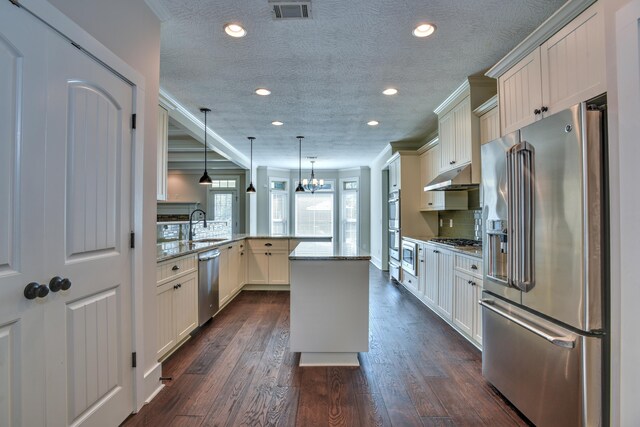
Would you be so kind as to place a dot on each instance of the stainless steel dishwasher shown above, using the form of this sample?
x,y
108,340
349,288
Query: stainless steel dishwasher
x,y
208,285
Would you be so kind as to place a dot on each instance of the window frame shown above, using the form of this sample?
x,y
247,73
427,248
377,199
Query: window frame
x,y
331,190
341,207
286,210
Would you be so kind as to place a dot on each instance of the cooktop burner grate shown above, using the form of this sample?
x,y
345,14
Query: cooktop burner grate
x,y
457,242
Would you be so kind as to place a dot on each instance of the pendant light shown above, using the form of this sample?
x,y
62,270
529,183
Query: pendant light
x,y
251,188
300,188
205,180
313,184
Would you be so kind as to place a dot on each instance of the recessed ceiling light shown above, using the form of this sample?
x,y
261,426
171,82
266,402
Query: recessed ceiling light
x,y
390,91
424,30
235,30
263,91
277,123
373,123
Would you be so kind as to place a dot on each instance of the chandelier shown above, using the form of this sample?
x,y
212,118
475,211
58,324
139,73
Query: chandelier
x,y
313,184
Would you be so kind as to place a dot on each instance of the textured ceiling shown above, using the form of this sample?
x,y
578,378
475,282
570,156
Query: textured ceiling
x,y
326,73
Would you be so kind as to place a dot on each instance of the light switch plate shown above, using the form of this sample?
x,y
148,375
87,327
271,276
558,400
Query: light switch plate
x,y
451,223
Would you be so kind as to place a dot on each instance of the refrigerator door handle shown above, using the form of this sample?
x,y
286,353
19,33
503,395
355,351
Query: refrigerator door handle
x,y
558,341
521,193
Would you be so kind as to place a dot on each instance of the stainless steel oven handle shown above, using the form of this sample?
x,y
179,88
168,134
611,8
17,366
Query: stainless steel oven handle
x,y
559,341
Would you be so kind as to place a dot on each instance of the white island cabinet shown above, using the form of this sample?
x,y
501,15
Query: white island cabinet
x,y
329,304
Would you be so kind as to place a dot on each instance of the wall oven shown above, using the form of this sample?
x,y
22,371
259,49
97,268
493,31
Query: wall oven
x,y
394,245
394,210
409,257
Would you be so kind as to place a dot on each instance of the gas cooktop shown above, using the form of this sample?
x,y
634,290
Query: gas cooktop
x,y
457,242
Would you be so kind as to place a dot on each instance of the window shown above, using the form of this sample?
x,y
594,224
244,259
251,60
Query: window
x,y
314,214
349,214
223,183
278,207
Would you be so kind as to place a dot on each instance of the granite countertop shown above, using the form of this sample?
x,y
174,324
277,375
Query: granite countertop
x,y
169,250
465,250
327,251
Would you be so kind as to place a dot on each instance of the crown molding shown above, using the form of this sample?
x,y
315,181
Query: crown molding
x,y
487,106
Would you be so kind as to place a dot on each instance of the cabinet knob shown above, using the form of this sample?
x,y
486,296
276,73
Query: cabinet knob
x,y
430,203
537,111
175,268
474,267
35,290
453,162
59,284
268,244
545,109
178,286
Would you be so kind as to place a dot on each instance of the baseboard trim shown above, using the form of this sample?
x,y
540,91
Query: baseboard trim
x,y
266,288
152,383
377,262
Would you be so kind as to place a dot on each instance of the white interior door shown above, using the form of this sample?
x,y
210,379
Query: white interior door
x,y
66,356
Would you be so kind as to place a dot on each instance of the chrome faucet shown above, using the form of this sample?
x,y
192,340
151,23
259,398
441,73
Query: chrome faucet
x,y
204,219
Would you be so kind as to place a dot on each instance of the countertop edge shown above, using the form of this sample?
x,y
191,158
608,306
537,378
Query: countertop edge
x,y
449,248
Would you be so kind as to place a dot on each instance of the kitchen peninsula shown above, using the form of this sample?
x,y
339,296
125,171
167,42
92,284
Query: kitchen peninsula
x,y
329,304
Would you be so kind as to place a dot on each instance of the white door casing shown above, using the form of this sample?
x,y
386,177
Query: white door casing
x,y
69,203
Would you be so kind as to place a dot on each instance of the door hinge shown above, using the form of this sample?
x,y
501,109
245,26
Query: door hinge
x,y
134,361
133,121
132,241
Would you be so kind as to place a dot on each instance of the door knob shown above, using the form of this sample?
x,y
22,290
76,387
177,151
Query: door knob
x,y
35,290
59,284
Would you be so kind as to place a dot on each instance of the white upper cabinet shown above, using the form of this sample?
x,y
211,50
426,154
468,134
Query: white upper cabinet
x,y
569,67
521,93
459,128
394,175
573,62
163,152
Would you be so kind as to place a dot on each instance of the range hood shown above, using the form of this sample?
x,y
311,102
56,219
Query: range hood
x,y
458,179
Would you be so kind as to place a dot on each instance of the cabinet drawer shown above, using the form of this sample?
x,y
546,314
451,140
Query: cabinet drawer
x,y
469,265
175,267
271,244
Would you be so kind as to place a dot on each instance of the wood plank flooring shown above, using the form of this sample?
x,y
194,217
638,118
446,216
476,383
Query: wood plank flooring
x,y
238,371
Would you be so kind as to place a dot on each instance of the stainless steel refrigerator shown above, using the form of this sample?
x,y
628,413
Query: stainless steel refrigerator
x,y
545,257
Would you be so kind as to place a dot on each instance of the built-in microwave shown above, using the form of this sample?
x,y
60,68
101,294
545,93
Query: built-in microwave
x,y
394,245
394,210
409,257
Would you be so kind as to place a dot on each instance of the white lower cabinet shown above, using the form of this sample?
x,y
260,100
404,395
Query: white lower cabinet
x,y
232,270
268,262
451,285
177,305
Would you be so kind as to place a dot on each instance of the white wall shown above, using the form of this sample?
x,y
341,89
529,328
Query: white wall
x,y
131,31
624,207
378,202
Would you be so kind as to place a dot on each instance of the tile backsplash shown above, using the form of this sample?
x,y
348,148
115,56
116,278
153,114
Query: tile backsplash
x,y
174,231
466,224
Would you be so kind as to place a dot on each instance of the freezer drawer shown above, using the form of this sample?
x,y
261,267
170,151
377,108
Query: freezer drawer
x,y
552,375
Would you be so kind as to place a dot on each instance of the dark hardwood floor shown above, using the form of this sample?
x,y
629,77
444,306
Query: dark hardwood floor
x,y
238,371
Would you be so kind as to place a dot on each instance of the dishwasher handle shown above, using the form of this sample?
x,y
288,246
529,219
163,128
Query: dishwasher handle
x,y
215,254
565,342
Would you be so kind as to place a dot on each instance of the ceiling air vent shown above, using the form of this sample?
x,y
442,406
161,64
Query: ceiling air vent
x,y
291,9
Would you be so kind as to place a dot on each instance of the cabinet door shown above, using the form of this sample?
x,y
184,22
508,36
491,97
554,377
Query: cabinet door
x,y
490,126
520,91
447,136
445,283
278,268
185,306
477,312
463,310
463,140
258,267
163,152
234,268
573,62
166,333
242,267
223,276
431,276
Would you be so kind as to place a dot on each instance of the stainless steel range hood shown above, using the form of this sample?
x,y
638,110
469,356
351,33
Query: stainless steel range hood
x,y
458,179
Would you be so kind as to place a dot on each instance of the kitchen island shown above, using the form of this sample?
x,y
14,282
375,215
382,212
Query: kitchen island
x,y
329,304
